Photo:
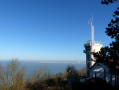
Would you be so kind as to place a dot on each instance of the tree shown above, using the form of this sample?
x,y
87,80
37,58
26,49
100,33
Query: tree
x,y
110,54
39,75
107,1
12,76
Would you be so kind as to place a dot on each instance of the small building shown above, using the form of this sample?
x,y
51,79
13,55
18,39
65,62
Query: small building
x,y
101,71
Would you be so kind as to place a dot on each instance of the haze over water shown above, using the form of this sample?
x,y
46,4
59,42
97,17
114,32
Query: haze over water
x,y
54,67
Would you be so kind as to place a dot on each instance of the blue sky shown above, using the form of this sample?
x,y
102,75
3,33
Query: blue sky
x,y
50,29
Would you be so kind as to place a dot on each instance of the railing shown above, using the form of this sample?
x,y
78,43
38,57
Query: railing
x,y
90,42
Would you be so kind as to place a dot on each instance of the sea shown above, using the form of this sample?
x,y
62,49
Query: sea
x,y
54,67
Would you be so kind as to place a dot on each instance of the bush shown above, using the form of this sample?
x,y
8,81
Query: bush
x,y
12,76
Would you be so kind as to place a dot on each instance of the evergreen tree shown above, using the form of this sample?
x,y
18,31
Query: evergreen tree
x,y
110,55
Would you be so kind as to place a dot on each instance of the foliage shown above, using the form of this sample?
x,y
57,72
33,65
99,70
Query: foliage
x,y
110,54
107,1
38,75
71,71
11,76
82,71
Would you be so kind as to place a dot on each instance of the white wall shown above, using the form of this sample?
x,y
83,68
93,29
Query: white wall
x,y
102,71
91,48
